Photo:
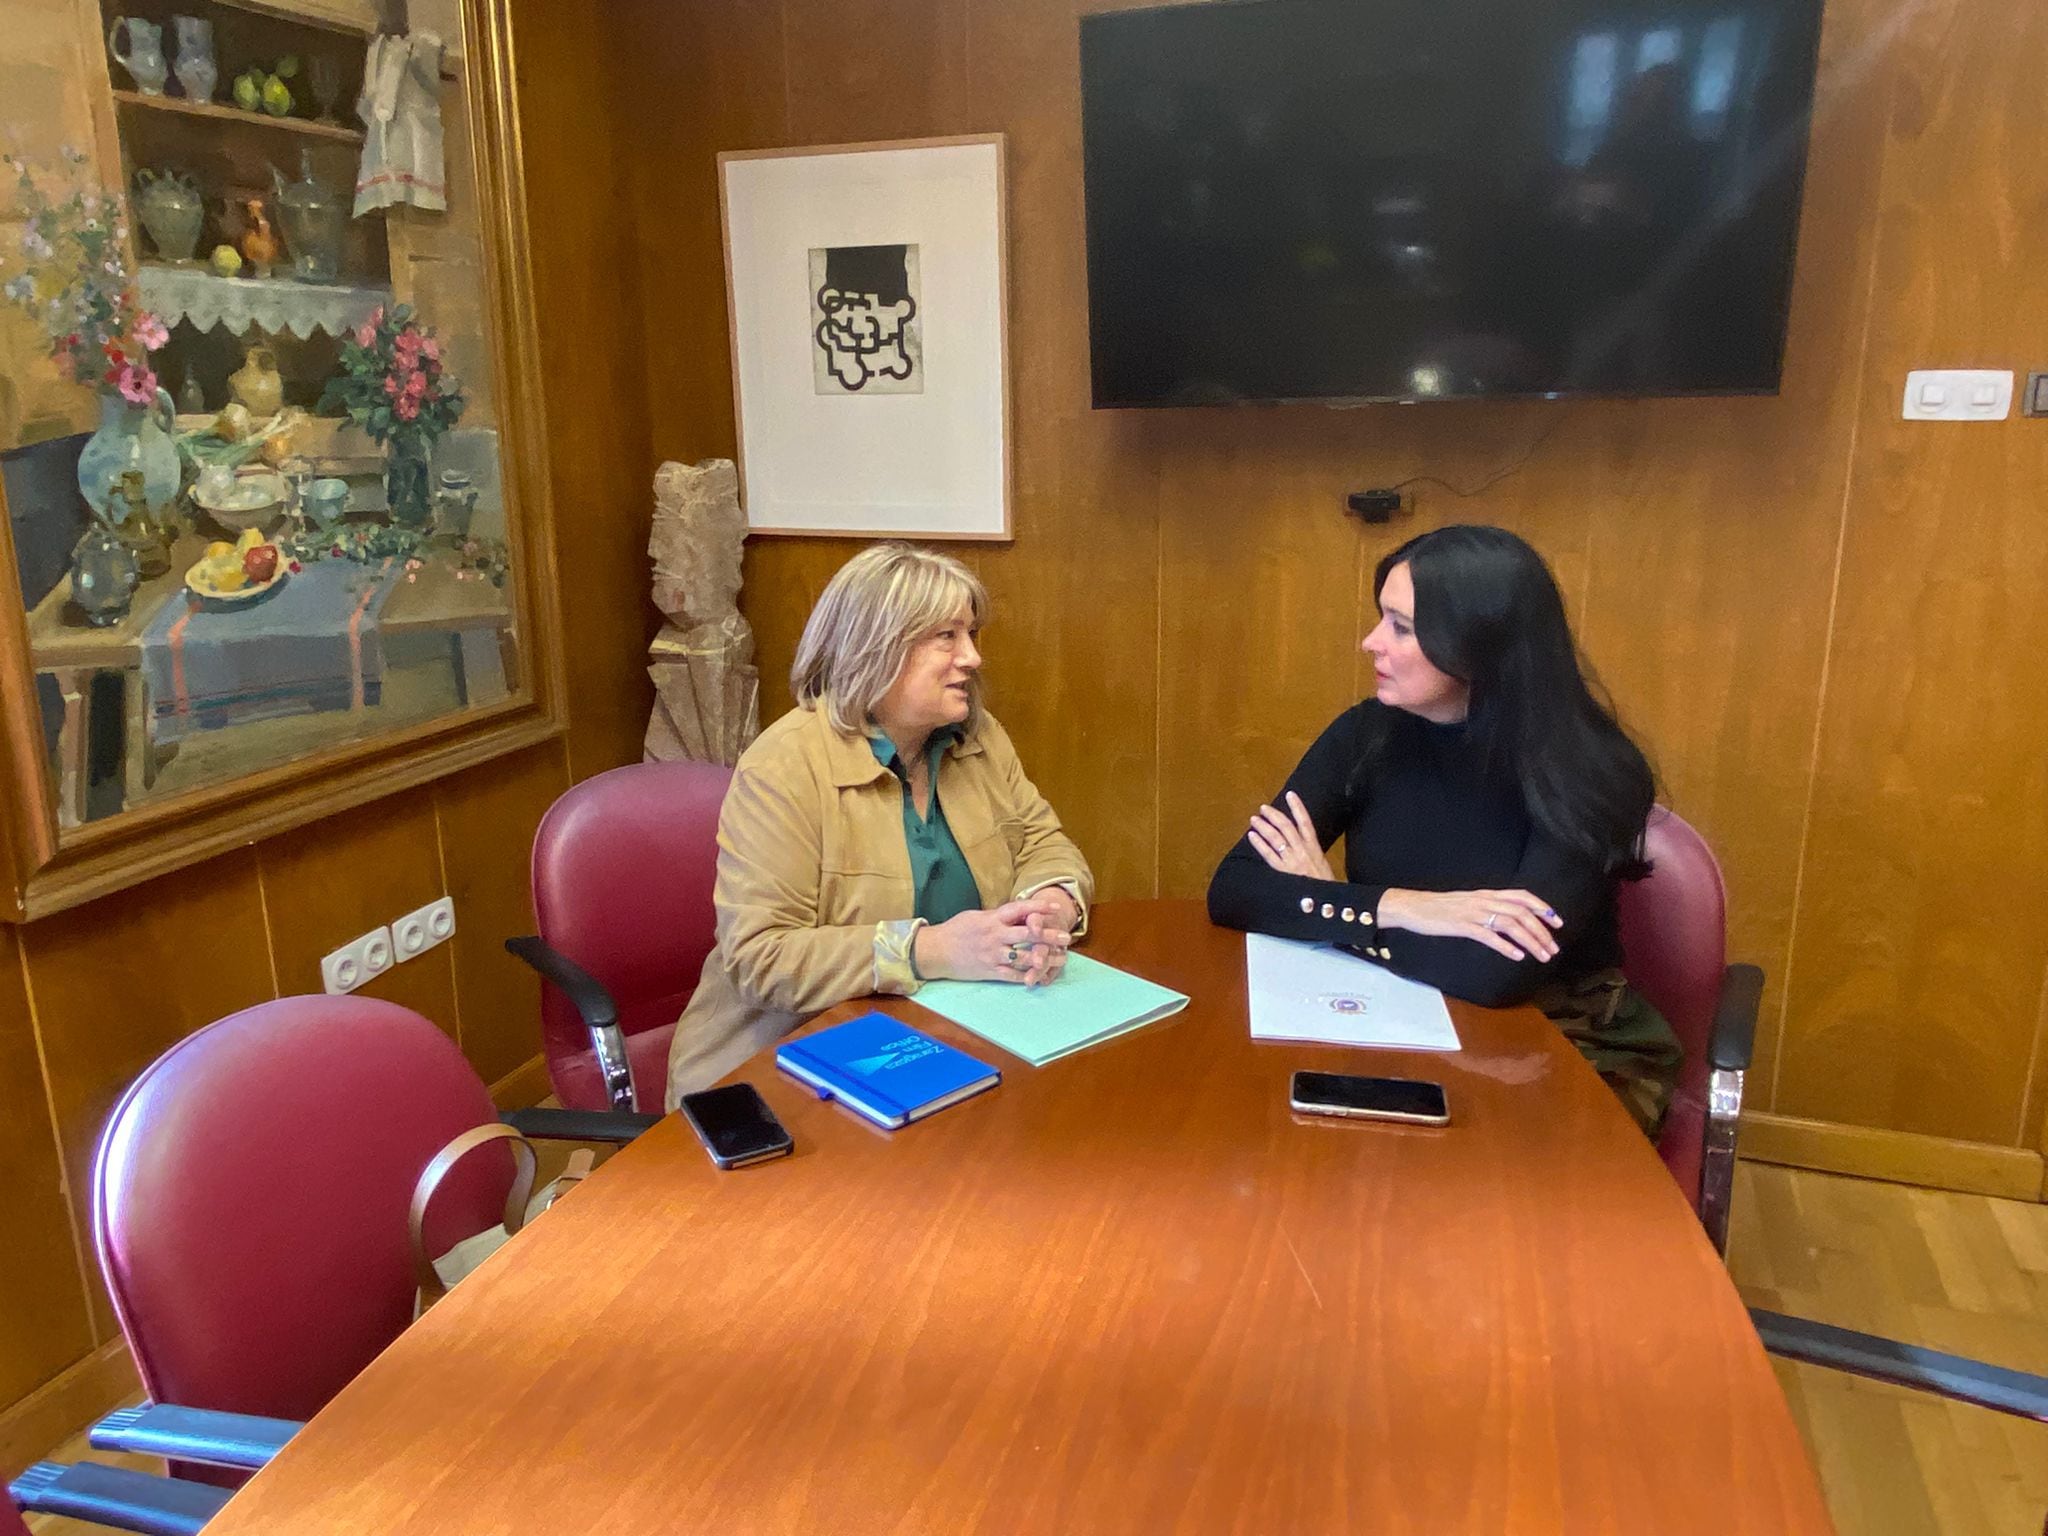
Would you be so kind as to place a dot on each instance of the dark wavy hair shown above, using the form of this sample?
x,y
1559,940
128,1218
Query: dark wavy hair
x,y
1488,612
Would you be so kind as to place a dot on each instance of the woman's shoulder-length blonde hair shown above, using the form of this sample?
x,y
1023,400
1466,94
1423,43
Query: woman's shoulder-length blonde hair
x,y
879,604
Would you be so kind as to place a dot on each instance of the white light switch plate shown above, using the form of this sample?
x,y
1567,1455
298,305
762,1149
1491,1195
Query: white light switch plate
x,y
1958,394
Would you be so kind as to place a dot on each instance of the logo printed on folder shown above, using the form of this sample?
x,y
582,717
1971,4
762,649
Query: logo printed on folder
x,y
882,1068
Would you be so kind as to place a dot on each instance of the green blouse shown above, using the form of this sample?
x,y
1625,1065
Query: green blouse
x,y
939,875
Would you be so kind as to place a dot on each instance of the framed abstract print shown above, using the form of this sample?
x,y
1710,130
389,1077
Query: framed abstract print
x,y
867,293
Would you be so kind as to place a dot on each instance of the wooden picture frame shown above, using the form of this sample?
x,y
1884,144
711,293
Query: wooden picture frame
x,y
58,857
848,268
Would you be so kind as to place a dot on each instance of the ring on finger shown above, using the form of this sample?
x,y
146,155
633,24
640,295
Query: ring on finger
x,y
1010,956
1492,919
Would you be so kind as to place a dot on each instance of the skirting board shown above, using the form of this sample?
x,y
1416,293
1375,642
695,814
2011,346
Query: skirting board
x,y
523,1087
65,1404
1901,1157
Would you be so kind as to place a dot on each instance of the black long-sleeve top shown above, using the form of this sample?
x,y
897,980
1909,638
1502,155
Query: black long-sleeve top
x,y
1425,818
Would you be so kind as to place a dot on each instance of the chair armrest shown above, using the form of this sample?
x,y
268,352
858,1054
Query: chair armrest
x,y
130,1501
1729,1045
594,1004
584,990
579,1124
194,1434
1904,1365
1734,1036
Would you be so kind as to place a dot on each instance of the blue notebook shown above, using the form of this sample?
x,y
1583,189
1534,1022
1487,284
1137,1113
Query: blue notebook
x,y
882,1068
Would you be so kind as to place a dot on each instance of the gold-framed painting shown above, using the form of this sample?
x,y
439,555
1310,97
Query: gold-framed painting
x,y
271,432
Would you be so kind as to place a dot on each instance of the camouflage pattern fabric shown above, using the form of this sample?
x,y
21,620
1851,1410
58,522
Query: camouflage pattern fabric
x,y
1628,1042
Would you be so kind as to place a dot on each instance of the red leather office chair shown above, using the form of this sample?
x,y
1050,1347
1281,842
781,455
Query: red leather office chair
x,y
623,866
1674,938
251,1192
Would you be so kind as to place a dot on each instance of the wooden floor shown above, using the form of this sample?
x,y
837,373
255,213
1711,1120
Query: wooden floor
x,y
1957,1272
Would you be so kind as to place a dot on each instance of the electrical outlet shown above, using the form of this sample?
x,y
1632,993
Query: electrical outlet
x,y
342,971
417,932
357,961
378,953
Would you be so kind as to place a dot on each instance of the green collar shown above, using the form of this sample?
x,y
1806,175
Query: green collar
x,y
885,749
852,761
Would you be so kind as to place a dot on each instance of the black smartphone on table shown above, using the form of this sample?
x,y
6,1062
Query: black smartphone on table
x,y
1407,1099
736,1125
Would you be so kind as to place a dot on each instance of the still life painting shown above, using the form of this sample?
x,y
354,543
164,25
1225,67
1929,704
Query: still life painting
x,y
250,391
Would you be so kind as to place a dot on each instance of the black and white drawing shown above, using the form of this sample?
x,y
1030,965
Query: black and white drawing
x,y
866,330
884,263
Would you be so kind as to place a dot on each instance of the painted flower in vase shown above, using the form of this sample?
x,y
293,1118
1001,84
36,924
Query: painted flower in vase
x,y
393,385
73,280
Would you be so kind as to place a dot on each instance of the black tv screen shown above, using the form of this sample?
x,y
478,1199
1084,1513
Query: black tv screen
x,y
1429,199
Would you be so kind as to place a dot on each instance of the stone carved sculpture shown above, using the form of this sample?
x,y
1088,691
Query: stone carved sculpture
x,y
707,692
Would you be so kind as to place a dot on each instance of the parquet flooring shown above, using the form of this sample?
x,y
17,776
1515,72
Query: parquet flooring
x,y
1958,1272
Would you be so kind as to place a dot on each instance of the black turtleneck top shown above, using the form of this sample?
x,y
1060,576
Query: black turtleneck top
x,y
1425,818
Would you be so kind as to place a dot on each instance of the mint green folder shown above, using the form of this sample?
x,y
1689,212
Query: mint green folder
x,y
1091,1002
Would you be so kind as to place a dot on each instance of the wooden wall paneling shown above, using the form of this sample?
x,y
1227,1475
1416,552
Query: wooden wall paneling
x,y
486,820
44,1321
116,983
1896,1157
1713,577
339,878
1072,651
1923,924
883,69
724,59
592,344
1259,581
99,1381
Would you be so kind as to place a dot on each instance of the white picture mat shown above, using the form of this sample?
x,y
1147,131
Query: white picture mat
x,y
934,464
1289,985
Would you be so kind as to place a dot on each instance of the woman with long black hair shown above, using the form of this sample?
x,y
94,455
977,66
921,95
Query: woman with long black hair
x,y
1488,802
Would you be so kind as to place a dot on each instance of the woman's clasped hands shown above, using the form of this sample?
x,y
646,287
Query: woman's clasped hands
x,y
1025,940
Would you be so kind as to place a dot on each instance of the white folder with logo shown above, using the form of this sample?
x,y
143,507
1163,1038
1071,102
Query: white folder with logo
x,y
1313,992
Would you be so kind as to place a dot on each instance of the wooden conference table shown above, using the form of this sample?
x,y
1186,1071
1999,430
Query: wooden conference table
x,y
1126,1292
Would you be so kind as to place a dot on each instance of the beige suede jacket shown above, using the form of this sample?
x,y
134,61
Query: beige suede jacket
x,y
813,894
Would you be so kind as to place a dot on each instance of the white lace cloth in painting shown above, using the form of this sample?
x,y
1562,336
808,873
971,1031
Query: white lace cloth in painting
x,y
401,112
243,304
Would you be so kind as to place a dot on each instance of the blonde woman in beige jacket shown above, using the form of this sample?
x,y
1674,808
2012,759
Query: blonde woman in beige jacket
x,y
881,834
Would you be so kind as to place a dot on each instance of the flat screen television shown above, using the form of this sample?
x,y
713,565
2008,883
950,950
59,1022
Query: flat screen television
x,y
1433,199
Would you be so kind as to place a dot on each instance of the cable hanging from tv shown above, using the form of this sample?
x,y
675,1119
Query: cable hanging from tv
x,y
1379,503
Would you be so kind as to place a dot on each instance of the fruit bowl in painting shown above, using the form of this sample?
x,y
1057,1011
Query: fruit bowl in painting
x,y
224,579
248,501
